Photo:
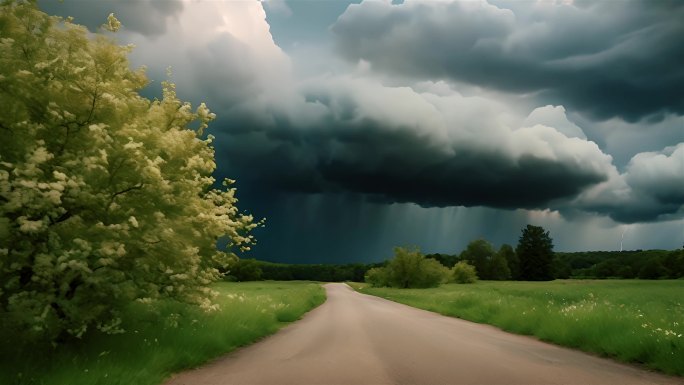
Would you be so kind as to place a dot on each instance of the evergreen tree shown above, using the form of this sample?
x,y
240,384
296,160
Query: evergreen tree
x,y
535,251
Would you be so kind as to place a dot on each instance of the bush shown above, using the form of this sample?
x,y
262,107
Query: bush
x,y
463,272
432,274
245,270
408,269
377,277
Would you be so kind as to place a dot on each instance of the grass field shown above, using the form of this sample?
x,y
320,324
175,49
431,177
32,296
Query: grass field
x,y
156,344
633,321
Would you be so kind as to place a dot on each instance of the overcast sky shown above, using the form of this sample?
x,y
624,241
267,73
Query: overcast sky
x,y
354,128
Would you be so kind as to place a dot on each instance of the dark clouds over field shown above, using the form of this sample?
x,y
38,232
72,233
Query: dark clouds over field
x,y
431,123
605,59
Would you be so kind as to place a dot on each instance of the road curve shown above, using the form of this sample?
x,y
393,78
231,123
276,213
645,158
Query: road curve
x,y
360,339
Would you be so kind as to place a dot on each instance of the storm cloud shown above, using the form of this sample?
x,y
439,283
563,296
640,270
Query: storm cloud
x,y
421,132
397,145
352,134
606,59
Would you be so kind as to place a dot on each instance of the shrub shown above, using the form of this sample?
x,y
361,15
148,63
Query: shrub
x,y
245,270
377,277
408,269
463,272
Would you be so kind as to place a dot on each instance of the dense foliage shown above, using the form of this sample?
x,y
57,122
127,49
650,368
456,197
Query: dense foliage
x,y
490,265
254,270
105,196
644,264
462,272
585,264
408,269
508,254
535,252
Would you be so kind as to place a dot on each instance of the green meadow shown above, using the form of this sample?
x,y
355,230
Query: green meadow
x,y
633,321
167,339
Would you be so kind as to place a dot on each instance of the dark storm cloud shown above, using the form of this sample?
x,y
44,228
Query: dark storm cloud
x,y
607,59
148,17
424,156
352,135
467,179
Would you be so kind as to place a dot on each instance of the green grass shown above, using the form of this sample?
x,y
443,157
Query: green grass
x,y
633,321
171,338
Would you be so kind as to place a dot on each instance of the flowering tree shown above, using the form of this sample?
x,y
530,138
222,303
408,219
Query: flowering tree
x,y
105,196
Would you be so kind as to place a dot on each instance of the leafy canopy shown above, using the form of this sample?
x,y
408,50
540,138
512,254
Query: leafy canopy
x,y
105,196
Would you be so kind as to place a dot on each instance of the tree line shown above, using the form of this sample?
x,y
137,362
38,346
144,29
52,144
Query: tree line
x,y
539,262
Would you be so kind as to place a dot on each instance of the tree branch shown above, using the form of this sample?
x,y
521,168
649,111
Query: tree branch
x,y
61,218
128,189
124,191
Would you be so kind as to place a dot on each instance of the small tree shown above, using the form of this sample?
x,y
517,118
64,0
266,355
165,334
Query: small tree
x,y
405,268
377,277
498,268
535,250
508,253
408,269
106,197
432,274
462,272
479,253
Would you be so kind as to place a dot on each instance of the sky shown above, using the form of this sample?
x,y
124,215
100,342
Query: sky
x,y
355,127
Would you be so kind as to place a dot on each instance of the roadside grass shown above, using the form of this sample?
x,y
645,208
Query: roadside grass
x,y
168,339
630,320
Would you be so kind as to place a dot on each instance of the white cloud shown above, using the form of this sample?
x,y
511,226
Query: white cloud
x,y
219,51
554,116
650,189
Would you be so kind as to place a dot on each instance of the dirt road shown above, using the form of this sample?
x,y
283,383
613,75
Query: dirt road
x,y
358,339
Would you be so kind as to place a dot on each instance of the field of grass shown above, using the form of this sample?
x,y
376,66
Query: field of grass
x,y
631,320
170,339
